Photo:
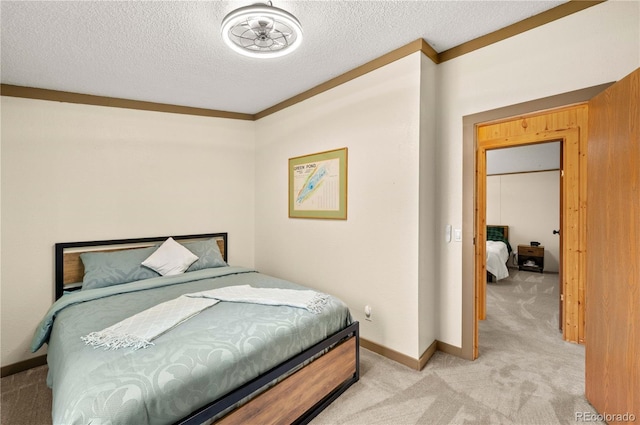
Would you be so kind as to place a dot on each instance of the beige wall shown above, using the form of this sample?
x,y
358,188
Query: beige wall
x,y
529,203
373,257
595,46
164,173
427,232
76,172
381,256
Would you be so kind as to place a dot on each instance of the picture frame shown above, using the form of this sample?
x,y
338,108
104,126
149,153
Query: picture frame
x,y
318,185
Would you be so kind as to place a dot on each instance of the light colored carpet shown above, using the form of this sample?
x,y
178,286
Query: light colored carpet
x,y
525,374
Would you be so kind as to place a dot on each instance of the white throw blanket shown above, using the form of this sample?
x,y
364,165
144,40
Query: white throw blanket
x,y
139,330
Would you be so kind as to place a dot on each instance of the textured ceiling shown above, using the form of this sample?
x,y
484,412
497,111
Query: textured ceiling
x,y
171,51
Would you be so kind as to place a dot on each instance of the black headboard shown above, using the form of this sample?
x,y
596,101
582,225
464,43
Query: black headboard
x,y
69,268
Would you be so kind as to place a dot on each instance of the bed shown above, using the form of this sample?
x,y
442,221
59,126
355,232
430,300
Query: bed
x,y
497,252
234,362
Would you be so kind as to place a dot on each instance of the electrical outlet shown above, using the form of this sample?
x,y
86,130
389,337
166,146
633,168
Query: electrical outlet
x,y
367,312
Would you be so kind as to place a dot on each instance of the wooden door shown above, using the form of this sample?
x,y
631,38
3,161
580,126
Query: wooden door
x,y
613,251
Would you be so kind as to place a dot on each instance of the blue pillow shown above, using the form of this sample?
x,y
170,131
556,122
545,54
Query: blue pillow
x,y
103,269
208,253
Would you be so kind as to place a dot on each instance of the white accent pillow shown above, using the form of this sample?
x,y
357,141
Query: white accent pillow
x,y
170,258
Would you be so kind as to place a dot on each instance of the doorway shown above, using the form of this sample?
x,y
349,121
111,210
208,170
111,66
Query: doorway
x,y
563,124
523,198
610,375
468,336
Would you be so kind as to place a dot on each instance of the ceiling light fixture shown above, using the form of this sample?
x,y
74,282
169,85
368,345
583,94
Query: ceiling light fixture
x,y
262,31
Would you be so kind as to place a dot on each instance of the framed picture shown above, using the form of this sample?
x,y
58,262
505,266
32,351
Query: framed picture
x,y
318,185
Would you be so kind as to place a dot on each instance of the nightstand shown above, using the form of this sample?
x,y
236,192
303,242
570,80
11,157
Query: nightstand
x,y
531,258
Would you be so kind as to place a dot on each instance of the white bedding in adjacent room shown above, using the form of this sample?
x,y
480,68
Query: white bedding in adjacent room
x,y
497,256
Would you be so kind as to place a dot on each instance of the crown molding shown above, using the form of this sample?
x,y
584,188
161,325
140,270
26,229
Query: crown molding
x,y
419,45
525,25
87,99
406,50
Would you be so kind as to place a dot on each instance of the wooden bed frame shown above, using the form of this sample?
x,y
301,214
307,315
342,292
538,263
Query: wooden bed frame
x,y
297,390
505,232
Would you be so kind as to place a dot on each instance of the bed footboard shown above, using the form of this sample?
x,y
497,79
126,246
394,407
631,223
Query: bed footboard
x,y
303,394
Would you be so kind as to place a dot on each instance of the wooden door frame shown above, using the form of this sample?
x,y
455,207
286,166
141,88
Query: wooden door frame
x,y
469,122
569,126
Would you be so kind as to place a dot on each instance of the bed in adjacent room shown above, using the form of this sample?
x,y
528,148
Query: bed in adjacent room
x,y
127,344
498,251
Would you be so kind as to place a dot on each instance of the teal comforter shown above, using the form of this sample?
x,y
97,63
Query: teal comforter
x,y
193,364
